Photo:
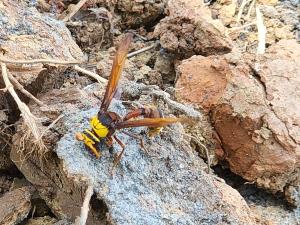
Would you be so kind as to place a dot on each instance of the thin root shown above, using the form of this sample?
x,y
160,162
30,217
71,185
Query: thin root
x,y
36,61
85,206
100,80
141,50
29,118
23,90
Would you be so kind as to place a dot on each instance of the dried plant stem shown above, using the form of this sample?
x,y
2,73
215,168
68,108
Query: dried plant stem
x,y
262,31
241,10
76,8
101,80
51,125
138,35
250,9
233,29
141,50
23,90
29,119
35,61
85,206
176,105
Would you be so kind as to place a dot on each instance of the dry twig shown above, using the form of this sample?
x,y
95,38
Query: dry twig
x,y
28,117
233,29
241,10
51,125
261,32
250,9
85,206
100,80
35,61
141,50
136,89
23,90
76,8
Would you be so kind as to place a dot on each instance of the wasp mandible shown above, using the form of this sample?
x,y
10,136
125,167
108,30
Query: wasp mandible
x,y
105,123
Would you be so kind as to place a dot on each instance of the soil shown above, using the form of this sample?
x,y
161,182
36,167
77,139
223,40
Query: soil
x,y
165,185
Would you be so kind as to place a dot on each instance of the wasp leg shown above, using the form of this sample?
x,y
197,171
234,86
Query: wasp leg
x,y
136,137
135,113
93,149
89,143
109,141
118,158
146,112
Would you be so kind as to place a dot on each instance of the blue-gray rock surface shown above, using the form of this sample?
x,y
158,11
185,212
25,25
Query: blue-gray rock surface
x,y
167,184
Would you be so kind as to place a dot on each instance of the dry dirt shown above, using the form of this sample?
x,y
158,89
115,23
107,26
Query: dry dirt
x,y
203,64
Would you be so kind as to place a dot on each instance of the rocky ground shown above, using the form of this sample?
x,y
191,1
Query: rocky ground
x,y
206,60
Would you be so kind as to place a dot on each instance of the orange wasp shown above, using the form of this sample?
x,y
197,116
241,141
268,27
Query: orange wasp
x,y
105,123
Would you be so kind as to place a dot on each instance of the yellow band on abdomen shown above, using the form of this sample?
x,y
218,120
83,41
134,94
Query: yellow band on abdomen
x,y
98,127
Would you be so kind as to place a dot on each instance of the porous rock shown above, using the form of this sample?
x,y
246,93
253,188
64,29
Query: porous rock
x,y
46,220
189,30
5,184
205,88
279,74
280,19
164,185
26,34
5,137
136,13
15,206
254,112
5,162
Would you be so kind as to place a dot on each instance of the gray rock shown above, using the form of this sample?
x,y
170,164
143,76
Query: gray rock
x,y
166,185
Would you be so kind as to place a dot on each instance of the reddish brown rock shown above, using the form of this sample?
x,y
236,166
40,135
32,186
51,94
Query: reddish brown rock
x,y
210,82
189,29
255,112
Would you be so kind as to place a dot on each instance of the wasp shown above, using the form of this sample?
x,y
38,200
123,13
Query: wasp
x,y
105,124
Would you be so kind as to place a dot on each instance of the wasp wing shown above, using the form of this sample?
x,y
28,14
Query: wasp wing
x,y
149,122
116,71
